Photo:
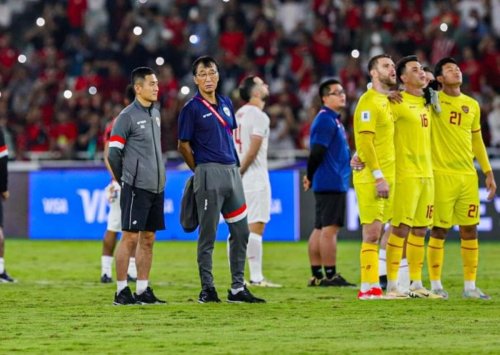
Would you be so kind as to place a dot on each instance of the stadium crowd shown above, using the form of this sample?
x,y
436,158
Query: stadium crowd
x,y
64,64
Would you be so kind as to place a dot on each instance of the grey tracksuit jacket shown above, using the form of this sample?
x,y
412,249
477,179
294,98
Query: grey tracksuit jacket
x,y
135,148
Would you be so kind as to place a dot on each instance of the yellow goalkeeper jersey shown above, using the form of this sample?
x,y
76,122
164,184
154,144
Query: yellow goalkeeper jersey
x,y
373,114
412,137
452,134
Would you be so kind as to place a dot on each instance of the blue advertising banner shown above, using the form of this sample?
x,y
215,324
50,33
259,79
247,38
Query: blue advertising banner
x,y
71,204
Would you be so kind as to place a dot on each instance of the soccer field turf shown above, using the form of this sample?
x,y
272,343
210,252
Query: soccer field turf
x,y
59,306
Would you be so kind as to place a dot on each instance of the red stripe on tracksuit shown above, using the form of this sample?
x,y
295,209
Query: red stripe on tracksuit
x,y
236,212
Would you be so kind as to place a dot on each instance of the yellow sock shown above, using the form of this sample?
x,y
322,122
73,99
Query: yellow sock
x,y
369,263
435,257
470,258
394,253
415,252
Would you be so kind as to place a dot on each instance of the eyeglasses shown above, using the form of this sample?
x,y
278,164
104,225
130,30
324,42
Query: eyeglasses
x,y
336,93
205,75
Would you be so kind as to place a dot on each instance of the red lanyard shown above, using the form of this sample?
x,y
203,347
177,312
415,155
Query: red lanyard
x,y
217,115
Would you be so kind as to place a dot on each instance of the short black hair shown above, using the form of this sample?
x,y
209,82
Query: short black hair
x,y
140,73
206,61
438,69
324,87
129,93
246,87
373,60
401,65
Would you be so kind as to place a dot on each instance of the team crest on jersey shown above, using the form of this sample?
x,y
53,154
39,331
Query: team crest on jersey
x,y
465,109
226,111
365,116
157,121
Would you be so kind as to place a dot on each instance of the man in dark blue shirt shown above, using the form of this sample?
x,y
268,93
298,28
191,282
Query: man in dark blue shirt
x,y
329,173
206,144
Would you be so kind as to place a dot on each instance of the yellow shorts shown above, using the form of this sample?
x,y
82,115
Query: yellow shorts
x,y
371,207
413,202
456,200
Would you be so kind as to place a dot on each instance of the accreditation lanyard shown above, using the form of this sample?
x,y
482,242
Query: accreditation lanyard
x,y
222,121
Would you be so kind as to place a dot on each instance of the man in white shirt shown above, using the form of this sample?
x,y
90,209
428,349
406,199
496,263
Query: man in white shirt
x,y
251,142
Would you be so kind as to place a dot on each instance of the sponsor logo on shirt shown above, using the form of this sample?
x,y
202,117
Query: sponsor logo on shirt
x,y
226,111
157,120
365,116
207,115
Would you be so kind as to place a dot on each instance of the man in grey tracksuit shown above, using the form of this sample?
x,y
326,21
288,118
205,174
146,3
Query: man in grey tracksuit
x,y
136,161
206,144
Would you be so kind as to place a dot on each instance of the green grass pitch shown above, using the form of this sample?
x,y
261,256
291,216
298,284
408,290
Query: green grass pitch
x,y
59,306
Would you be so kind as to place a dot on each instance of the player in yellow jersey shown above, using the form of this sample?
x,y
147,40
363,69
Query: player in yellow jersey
x,y
414,191
374,133
456,139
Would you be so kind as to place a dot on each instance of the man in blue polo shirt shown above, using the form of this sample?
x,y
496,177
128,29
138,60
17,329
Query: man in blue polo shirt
x,y
206,144
329,173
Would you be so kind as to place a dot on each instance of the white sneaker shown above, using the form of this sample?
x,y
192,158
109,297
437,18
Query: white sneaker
x,y
475,294
395,294
440,292
423,293
264,283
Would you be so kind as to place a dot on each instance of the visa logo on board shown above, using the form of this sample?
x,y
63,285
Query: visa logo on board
x,y
55,205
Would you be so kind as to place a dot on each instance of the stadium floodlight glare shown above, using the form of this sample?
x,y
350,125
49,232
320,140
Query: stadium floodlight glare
x,y
21,58
355,53
193,39
92,90
160,61
40,22
443,27
143,1
225,0
67,94
137,30
0,94
185,90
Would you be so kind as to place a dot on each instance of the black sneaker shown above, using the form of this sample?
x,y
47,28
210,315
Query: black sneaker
x,y
336,280
244,296
382,279
131,279
105,279
209,295
148,297
124,298
4,277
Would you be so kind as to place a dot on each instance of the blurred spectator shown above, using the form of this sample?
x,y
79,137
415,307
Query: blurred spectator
x,y
494,122
322,47
199,34
8,55
281,126
290,14
36,136
88,135
490,62
63,134
472,72
263,46
232,43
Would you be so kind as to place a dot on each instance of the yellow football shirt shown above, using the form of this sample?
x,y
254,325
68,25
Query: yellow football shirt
x,y
452,134
373,114
412,137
